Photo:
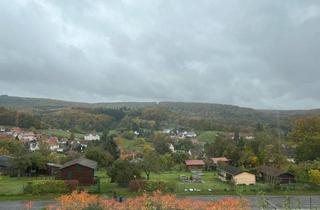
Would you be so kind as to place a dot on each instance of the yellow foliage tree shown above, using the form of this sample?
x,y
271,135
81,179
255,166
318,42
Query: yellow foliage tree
x,y
314,176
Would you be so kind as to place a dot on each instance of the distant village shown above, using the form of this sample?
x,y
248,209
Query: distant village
x,y
223,165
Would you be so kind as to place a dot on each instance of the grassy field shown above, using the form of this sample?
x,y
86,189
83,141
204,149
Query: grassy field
x,y
210,182
133,144
60,133
12,188
208,136
12,185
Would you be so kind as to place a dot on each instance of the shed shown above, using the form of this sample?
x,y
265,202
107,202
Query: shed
x,y
216,160
236,176
195,164
53,169
81,169
5,164
275,175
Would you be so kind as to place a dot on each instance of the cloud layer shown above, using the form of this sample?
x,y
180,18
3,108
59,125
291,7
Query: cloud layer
x,y
262,54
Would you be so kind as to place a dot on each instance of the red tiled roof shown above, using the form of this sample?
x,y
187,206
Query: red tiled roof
x,y
52,140
194,162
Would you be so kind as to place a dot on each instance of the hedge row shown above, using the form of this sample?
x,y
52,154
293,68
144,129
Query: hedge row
x,y
150,186
50,186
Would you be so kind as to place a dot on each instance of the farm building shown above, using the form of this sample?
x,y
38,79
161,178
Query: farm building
x,y
236,176
5,168
81,169
92,137
195,164
275,175
215,160
53,169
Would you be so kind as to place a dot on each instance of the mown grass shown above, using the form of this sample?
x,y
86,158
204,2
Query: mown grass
x,y
61,133
11,188
133,144
12,185
208,136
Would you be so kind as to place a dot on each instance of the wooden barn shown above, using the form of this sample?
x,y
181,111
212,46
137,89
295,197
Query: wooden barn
x,y
275,175
81,169
236,176
195,164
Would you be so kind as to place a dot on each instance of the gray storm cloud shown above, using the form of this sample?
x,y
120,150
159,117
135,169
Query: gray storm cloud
x,y
262,54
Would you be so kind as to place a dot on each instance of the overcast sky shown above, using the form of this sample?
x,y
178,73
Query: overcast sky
x,y
260,54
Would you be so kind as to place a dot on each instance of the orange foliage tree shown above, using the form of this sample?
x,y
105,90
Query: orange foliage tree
x,y
81,200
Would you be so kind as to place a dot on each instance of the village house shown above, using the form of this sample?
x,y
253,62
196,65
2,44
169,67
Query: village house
x,y
219,160
236,176
33,145
16,131
53,143
216,160
81,169
166,131
171,147
189,134
195,164
129,155
92,137
5,135
275,175
27,137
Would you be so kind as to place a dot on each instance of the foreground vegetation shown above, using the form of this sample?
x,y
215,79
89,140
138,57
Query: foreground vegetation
x,y
82,200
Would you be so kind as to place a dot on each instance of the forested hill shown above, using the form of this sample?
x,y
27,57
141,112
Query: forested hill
x,y
226,114
14,102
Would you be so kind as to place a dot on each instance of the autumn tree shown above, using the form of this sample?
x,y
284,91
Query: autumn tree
x,y
314,176
150,163
102,157
166,162
308,149
110,145
305,128
161,143
123,171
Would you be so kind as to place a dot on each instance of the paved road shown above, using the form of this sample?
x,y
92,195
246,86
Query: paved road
x,y
256,202
274,202
21,205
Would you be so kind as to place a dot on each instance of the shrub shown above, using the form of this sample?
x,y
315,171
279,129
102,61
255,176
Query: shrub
x,y
46,186
314,176
72,185
152,186
137,185
163,186
83,200
179,167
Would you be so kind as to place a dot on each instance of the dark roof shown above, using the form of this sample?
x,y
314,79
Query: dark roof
x,y
81,161
271,171
230,170
5,160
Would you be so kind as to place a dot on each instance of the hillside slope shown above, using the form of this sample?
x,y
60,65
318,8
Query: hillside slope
x,y
227,114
